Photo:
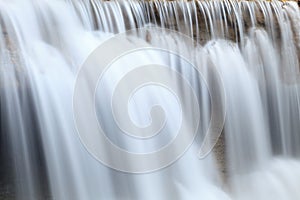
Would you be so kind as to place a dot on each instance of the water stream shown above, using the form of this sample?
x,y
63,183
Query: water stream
x,y
253,45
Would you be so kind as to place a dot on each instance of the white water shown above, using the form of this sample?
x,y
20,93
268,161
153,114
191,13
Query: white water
x,y
44,43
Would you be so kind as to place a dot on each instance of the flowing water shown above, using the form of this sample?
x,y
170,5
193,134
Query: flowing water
x,y
253,45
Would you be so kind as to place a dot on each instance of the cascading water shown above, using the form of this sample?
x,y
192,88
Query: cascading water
x,y
253,46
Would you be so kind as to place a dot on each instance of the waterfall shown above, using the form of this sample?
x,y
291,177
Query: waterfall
x,y
197,100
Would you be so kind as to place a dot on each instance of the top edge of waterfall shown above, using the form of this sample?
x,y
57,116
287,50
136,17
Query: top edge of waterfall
x,y
270,1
